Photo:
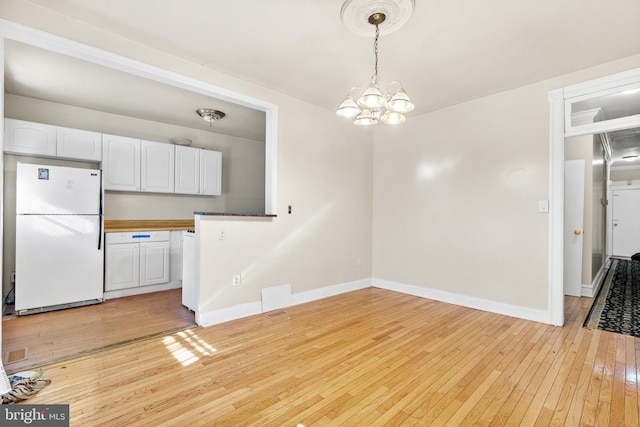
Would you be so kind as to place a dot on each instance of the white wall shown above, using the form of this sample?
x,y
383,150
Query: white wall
x,y
324,174
456,194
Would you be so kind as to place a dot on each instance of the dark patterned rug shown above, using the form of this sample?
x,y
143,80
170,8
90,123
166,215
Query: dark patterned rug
x,y
616,308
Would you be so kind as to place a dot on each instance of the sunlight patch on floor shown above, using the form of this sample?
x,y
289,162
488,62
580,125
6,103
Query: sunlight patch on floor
x,y
186,347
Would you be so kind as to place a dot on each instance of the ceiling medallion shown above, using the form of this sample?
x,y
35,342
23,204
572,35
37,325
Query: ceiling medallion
x,y
355,15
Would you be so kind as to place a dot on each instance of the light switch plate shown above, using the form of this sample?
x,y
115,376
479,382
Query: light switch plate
x,y
543,206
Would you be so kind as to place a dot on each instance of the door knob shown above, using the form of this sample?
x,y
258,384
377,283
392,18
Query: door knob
x,y
577,232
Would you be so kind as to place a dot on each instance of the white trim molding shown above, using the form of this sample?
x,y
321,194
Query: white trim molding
x,y
556,209
329,291
215,317
223,315
520,312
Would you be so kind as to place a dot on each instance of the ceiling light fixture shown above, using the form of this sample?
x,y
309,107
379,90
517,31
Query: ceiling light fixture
x,y
374,104
210,115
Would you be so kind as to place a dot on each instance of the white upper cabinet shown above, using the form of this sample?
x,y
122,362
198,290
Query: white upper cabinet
x,y
121,163
21,137
210,172
157,169
130,164
37,139
187,170
79,144
198,171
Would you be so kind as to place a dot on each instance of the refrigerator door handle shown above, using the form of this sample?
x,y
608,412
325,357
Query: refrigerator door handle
x,y
100,214
99,232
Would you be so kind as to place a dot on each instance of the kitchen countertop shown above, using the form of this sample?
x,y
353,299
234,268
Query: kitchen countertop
x,y
117,225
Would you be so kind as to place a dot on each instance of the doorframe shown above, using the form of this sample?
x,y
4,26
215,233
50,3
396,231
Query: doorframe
x,y
560,127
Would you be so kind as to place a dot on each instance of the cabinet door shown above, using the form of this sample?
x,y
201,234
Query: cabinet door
x,y
154,263
210,172
187,170
122,266
79,144
157,171
121,163
21,137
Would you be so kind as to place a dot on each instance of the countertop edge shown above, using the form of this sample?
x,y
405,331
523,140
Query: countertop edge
x,y
118,225
235,214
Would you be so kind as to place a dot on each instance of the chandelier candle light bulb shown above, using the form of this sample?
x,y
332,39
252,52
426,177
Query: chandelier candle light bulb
x,y
374,105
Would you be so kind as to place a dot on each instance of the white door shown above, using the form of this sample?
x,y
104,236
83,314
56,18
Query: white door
x,y
122,266
22,137
154,263
44,189
121,163
79,144
57,260
626,222
187,170
210,172
573,226
158,163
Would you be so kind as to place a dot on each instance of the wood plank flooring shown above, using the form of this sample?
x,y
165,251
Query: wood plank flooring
x,y
370,357
61,334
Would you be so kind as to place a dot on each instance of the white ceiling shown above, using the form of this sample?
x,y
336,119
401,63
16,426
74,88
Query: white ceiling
x,y
450,51
71,81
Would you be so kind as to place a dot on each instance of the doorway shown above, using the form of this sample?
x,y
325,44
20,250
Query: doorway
x,y
620,94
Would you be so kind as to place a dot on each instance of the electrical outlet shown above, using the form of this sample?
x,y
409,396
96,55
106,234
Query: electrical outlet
x,y
237,279
12,277
359,262
221,235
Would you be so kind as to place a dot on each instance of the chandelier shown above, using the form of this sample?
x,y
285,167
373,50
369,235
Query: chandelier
x,y
374,104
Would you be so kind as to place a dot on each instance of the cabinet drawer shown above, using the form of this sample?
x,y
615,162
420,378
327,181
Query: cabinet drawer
x,y
137,237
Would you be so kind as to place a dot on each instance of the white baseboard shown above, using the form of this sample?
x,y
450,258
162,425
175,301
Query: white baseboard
x,y
141,290
592,290
223,315
215,317
329,291
542,316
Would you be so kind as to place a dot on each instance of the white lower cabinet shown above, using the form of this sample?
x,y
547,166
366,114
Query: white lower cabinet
x,y
122,265
136,259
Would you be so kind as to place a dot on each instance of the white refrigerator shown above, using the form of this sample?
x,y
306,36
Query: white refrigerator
x,y
59,247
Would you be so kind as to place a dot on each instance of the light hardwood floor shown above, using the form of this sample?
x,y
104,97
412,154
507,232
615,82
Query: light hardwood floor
x,y
58,335
370,357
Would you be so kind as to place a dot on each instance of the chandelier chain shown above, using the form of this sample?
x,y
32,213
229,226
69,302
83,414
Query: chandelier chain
x,y
375,51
